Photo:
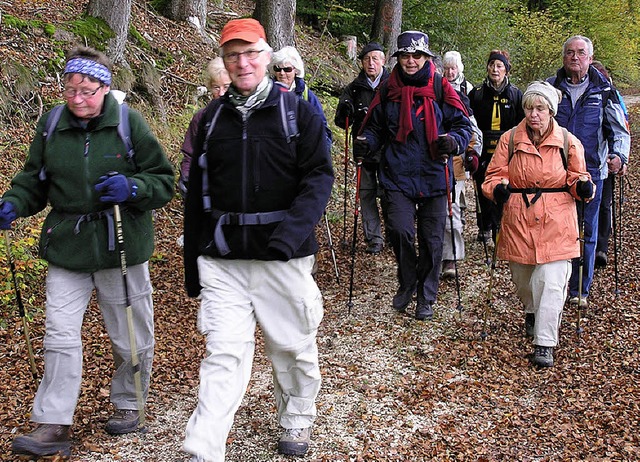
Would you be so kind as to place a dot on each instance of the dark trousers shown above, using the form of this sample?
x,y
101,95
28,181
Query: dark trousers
x,y
369,189
604,219
417,269
488,214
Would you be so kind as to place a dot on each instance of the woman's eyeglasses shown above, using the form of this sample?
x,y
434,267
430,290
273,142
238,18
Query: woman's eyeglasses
x,y
83,94
277,69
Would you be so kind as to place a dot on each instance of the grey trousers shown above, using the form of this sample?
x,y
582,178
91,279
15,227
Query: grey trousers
x,y
68,294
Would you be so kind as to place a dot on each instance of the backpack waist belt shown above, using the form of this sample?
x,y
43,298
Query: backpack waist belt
x,y
241,219
537,193
93,216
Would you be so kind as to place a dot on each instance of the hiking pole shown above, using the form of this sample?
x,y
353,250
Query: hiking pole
x,y
356,212
346,172
333,252
579,328
21,311
453,238
132,335
479,213
484,334
615,234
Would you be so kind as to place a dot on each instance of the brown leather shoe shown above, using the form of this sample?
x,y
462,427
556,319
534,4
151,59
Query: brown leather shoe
x,y
122,421
45,440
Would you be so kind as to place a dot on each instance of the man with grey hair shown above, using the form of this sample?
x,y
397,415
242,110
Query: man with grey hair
x,y
254,199
591,110
353,106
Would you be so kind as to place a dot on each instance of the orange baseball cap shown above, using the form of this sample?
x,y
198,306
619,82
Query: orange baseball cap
x,y
246,29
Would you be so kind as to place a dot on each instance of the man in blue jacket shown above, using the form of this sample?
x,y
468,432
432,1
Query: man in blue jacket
x,y
254,199
591,110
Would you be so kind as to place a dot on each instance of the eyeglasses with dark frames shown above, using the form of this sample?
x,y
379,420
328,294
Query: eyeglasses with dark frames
x,y
233,57
84,94
277,69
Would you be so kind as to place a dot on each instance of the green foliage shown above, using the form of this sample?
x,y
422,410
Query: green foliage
x,y
49,29
95,31
29,271
345,18
161,6
539,37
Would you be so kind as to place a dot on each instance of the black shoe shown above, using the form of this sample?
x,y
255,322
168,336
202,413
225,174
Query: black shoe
x,y
543,356
45,440
601,259
374,248
295,441
402,298
122,421
529,324
424,311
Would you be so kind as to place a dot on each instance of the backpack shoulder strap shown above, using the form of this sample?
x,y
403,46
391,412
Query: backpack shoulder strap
x,y
512,134
437,87
215,109
52,121
124,130
565,148
288,105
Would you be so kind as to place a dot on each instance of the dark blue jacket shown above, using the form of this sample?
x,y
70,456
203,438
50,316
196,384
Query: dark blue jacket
x,y
408,167
252,168
596,119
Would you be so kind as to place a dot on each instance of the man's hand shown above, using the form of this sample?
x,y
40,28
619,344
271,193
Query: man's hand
x,y
345,109
360,149
614,163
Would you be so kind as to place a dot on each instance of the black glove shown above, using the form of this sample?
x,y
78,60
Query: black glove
x,y
360,149
447,146
501,194
471,162
584,189
345,109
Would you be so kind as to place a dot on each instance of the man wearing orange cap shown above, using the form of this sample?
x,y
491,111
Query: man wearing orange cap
x,y
254,199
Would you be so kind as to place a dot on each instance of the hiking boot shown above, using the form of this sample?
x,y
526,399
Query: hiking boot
x,y
529,324
574,302
601,259
45,440
122,421
543,356
295,441
402,298
448,269
374,248
424,311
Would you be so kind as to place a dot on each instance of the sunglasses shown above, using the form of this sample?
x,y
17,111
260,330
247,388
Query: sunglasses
x,y
277,69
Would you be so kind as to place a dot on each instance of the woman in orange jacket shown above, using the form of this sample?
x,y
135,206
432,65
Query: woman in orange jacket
x,y
537,183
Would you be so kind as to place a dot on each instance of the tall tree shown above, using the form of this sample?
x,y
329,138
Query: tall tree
x,y
117,14
277,18
386,23
192,11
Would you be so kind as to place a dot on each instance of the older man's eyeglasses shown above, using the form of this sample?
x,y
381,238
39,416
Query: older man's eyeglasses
x,y
233,57
579,53
277,69
83,94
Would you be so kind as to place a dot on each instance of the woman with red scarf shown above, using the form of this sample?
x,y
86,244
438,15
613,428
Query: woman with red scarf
x,y
418,133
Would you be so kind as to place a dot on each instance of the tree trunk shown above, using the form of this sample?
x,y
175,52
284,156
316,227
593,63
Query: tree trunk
x,y
278,18
192,11
117,14
386,25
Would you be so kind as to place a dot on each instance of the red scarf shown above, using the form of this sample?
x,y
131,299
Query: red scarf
x,y
398,91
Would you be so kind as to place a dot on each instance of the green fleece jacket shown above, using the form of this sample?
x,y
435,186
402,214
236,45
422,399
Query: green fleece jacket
x,y
78,233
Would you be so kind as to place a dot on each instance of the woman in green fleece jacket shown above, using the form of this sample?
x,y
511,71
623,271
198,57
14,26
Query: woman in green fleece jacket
x,y
82,168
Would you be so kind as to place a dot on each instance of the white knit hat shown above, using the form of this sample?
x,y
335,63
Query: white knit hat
x,y
544,89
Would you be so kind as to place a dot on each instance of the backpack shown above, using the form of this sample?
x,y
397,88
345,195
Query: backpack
x,y
124,131
288,103
563,151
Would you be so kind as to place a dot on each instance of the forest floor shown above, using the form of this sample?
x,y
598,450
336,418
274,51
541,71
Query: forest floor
x,y
394,389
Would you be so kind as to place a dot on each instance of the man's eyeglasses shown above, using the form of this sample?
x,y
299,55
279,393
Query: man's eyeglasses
x,y
572,53
277,69
233,57
83,94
